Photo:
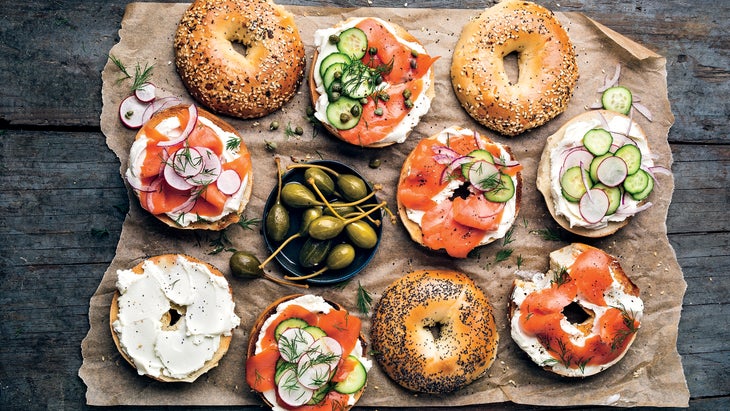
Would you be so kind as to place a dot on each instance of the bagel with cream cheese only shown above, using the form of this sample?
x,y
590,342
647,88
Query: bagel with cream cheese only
x,y
371,81
459,190
433,331
546,64
172,317
248,83
580,317
305,351
572,196
190,169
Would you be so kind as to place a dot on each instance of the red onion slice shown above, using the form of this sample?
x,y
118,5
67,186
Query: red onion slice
x,y
186,206
192,120
160,104
610,82
455,164
644,110
229,182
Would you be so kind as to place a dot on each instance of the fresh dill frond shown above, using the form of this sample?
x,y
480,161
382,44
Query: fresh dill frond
x,y
548,234
508,236
503,254
233,143
364,299
248,223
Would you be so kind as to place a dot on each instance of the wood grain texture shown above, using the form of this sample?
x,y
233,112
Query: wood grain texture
x,y
62,201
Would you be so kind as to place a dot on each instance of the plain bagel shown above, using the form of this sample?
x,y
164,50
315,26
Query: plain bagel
x,y
247,84
434,331
546,63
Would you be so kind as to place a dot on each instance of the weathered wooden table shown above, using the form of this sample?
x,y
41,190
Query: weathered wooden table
x,y
62,200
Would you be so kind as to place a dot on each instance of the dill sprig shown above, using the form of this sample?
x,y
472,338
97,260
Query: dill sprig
x,y
364,299
629,320
508,236
548,234
560,276
141,74
233,143
503,254
248,223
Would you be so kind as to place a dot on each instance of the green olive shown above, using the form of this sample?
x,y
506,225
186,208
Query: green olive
x,y
351,187
308,216
321,179
325,227
341,256
313,252
296,195
361,234
277,222
244,264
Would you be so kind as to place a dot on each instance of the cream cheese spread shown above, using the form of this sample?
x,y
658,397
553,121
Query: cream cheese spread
x,y
172,127
187,289
510,207
420,106
573,138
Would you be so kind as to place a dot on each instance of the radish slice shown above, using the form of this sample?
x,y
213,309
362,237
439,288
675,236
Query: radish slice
x,y
329,346
580,156
291,391
211,168
131,111
484,175
192,120
612,171
313,373
294,342
229,182
146,92
174,179
593,205
188,162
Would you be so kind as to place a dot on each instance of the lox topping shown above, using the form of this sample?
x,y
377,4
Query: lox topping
x,y
183,168
380,81
460,190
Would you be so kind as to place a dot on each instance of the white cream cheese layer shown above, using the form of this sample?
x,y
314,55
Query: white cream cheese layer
x,y
201,299
573,138
172,127
534,282
315,304
510,207
420,106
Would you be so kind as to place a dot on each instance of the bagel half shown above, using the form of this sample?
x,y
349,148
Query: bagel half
x,y
169,323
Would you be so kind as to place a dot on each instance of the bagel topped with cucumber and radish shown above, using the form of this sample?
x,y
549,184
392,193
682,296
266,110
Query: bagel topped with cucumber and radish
x,y
305,352
596,172
190,169
371,81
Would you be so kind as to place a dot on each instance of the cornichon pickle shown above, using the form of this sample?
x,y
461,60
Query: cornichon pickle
x,y
351,187
296,195
341,256
325,227
308,216
245,264
277,222
322,180
361,234
313,252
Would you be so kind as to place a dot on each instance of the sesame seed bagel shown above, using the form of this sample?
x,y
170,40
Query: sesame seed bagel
x,y
434,331
546,62
247,84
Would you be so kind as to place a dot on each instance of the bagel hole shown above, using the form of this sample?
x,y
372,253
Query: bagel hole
x,y
174,317
575,313
435,330
239,48
462,191
512,67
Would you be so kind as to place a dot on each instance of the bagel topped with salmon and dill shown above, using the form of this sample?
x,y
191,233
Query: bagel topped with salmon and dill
x,y
371,81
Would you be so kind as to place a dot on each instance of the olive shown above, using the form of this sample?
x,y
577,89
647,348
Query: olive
x,y
296,195
277,222
351,187
361,234
341,256
313,252
325,227
308,216
321,179
244,264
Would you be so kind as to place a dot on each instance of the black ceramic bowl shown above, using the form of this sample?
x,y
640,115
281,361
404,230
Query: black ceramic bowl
x,y
288,258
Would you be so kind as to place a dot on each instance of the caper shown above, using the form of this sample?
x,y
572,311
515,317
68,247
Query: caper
x,y
355,110
322,180
351,187
313,252
345,117
325,227
374,163
414,53
378,111
341,256
244,264
414,64
308,216
361,234
407,93
336,86
333,96
277,222
334,38
296,195
373,51
298,130
340,210
408,103
274,125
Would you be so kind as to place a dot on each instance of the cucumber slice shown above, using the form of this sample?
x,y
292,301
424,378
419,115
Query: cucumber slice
x,y
631,156
614,197
598,141
332,73
341,115
355,380
353,42
332,59
357,81
316,332
569,197
618,99
572,182
592,170
319,394
289,323
504,192
637,182
477,155
282,366
645,193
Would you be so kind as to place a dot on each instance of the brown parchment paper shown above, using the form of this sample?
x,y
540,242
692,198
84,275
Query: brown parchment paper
x,y
649,375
